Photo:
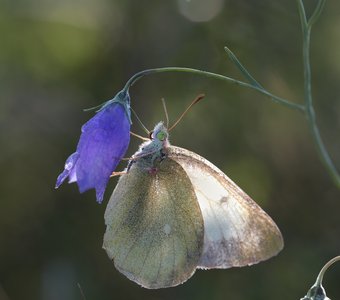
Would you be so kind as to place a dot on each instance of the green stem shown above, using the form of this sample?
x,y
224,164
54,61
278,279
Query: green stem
x,y
310,113
274,98
317,12
324,269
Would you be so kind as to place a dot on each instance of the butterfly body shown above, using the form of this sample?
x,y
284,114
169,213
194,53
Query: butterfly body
x,y
174,212
150,153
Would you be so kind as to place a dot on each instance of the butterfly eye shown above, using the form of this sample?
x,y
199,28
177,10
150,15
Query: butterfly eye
x,y
150,134
161,135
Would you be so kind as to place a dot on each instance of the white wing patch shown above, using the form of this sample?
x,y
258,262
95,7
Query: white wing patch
x,y
237,232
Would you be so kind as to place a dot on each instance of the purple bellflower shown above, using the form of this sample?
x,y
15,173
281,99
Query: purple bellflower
x,y
103,141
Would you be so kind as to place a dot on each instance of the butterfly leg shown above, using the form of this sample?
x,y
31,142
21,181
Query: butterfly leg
x,y
118,173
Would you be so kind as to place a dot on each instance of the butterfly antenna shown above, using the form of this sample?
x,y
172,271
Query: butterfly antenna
x,y
166,112
139,136
140,122
196,100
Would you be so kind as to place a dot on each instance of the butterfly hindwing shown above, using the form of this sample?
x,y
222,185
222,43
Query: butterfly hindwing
x,y
237,231
154,223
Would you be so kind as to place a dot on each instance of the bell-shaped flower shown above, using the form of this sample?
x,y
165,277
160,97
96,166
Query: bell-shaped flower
x,y
103,141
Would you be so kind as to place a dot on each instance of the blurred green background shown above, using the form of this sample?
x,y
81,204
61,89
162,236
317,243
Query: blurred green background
x,y
58,57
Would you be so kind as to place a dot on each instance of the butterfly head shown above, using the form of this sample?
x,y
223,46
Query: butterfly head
x,y
160,134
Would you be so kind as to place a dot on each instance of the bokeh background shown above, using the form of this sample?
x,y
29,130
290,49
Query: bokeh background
x,y
58,57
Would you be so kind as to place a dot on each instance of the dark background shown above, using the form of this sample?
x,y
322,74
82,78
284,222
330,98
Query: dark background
x,y
58,57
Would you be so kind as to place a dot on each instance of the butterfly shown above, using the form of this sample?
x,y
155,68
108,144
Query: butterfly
x,y
174,212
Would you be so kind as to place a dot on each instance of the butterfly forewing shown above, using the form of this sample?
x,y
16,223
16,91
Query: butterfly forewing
x,y
154,224
237,231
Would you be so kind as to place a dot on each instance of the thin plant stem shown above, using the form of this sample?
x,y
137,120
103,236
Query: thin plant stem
x,y
306,26
242,69
324,269
317,291
274,98
81,292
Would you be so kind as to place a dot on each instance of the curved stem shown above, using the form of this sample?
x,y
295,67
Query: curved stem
x,y
310,113
324,269
274,98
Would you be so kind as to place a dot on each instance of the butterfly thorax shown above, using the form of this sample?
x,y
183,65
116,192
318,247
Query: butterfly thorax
x,y
152,152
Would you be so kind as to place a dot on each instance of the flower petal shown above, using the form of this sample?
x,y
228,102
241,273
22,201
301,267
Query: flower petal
x,y
68,168
103,142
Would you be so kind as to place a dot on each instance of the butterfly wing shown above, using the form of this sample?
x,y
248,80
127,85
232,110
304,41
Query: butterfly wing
x,y
237,231
154,225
